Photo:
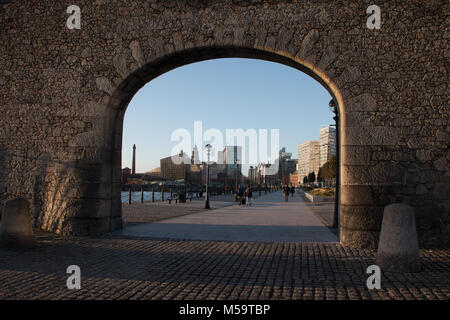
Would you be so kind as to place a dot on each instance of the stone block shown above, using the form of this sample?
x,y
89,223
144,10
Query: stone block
x,y
86,226
105,85
355,155
384,173
363,102
116,208
350,75
370,136
365,195
137,53
94,190
361,217
116,224
16,230
361,239
357,119
308,43
120,63
398,248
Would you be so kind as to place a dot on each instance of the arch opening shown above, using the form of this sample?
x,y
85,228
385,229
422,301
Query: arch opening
x,y
134,82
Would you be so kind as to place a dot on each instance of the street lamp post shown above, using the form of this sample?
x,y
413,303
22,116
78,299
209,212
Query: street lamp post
x,y
334,108
236,162
208,148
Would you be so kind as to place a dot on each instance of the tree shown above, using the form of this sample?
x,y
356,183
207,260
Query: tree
x,y
332,168
328,170
320,174
312,177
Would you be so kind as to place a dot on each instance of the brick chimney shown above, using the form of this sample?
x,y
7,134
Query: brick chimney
x,y
133,170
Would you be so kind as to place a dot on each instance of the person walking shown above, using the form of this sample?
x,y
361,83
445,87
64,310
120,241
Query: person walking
x,y
241,196
248,196
286,193
292,191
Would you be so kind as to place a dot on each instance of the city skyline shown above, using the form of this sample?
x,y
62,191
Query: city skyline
x,y
224,94
219,160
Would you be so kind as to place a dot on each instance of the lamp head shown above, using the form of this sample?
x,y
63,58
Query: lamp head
x,y
332,106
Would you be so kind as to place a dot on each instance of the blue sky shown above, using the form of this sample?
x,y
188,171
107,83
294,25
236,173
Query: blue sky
x,y
223,94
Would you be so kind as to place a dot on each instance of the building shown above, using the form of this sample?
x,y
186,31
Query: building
x,y
287,165
126,173
293,179
308,158
195,174
265,177
216,172
231,154
228,158
176,167
153,175
327,144
195,159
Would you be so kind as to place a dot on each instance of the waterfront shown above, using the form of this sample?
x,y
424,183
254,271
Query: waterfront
x,y
136,196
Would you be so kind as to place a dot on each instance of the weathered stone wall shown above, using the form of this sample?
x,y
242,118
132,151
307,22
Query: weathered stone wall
x,y
63,94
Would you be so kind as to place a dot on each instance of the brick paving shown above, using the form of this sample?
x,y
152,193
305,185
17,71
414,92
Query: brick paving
x,y
116,267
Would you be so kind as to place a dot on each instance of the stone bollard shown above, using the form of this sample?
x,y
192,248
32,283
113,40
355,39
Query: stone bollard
x,y
398,248
16,231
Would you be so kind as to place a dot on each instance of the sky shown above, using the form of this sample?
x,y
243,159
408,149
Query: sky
x,y
230,93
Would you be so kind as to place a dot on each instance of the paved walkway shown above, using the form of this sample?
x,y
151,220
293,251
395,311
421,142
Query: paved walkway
x,y
123,267
137,213
269,219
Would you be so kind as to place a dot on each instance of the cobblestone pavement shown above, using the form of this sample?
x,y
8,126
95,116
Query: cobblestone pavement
x,y
125,268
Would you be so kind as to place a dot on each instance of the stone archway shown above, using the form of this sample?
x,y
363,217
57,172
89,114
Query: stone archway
x,y
63,94
124,92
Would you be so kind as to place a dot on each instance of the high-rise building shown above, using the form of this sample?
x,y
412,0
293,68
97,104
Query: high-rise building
x,y
220,157
308,158
229,156
327,144
286,165
195,158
